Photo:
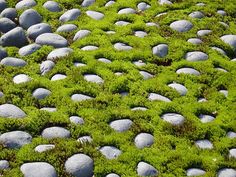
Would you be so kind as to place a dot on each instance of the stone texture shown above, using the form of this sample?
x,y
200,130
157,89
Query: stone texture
x,y
4,164
181,25
127,11
230,40
55,132
142,6
206,118
11,111
52,6
227,172
195,41
21,78
93,78
146,75
160,50
232,153
51,39
179,88
204,144
80,97
15,62
59,53
155,96
34,31
66,28
41,93
121,125
44,147
121,46
143,140
29,49
110,152
29,18
188,71
46,66
57,77
25,4
95,15
196,14
85,139
196,56
77,120
87,3
81,34
145,169
70,15
3,53
173,118
195,172
6,25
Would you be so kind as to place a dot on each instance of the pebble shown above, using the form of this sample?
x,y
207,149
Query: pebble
x,y
221,12
81,34
41,93
57,77
227,172
188,71
77,120
29,49
89,48
231,134
80,97
155,96
140,34
85,139
201,33
110,152
165,2
44,147
160,50
173,118
121,46
195,41
66,28
127,11
95,15
11,61
59,53
146,75
195,172
122,23
70,15
55,132
206,118
196,56
3,5
34,31
21,78
230,40
204,144
121,125
109,3
29,18
87,3
11,111
112,175
179,88
4,164
52,6
51,39
46,66
196,14
93,78
181,25
142,6
143,140
232,153
25,4
145,169
6,25
3,53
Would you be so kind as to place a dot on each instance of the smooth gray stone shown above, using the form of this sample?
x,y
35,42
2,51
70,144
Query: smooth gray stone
x,y
78,64
181,25
200,4
165,2
140,34
80,97
173,118
227,172
29,49
81,34
11,111
95,15
66,28
3,53
4,164
6,25
160,50
55,132
49,109
145,169
122,23
51,39
104,60
16,37
41,93
204,144
85,139
25,4
93,78
44,147
9,13
121,46
87,3
127,11
196,56
201,33
139,63
121,125
79,165
229,39
195,172
206,118
21,78
70,15
143,6
188,71
15,139
89,48
34,31
109,3
219,50
59,53
110,152
146,75
232,153
143,140
57,77
112,175
202,100
195,41
179,88
15,62
221,69
38,169
196,14
46,66
155,96
77,120
152,24
3,5
231,134
221,12
139,109
224,92
29,18
52,6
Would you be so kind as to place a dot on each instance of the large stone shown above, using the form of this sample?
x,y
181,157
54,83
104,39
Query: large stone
x,y
160,50
95,15
34,31
59,53
179,88
196,56
93,78
29,18
121,125
173,118
52,39
79,165
145,169
81,34
110,152
38,169
227,172
66,28
52,6
25,4
41,93
195,172
87,3
44,147
143,140
15,139
29,49
15,62
11,111
229,39
46,66
155,96
80,97
55,132
6,25
181,25
70,15
21,78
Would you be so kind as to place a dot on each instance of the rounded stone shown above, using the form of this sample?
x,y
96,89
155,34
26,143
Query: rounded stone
x,y
152,24
15,139
70,15
122,23
1,94
93,78
146,75
221,12
155,96
230,40
201,33
15,62
224,92
206,118
9,13
232,153
109,3
179,88
121,125
52,6
59,53
143,6
85,139
143,140
44,147
29,18
41,93
81,34
140,34
87,3
57,77
38,169
139,63
160,50
11,111
55,132
80,97
80,165
181,25
227,172
29,49
196,56
21,78
173,118
4,164
121,46
110,152
112,175
95,15
188,71
46,66
51,39
219,50
195,172
145,169
3,53
127,11
49,109
204,144
6,25
34,31
3,5
25,4
89,48
77,120
231,134
66,28
139,109
195,41
104,60
196,14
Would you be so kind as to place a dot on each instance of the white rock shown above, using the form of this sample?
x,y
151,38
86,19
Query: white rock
x,y
155,96
70,15
110,152
80,97
46,66
204,144
77,120
188,71
55,132
173,118
21,78
87,3
85,139
195,172
206,118
59,53
41,93
143,140
121,46
179,88
93,78
89,48
81,34
146,75
57,77
126,11
44,147
181,25
196,56
201,33
232,153
195,41
121,125
227,172
95,15
160,50
4,164
145,169
231,134
11,111
230,40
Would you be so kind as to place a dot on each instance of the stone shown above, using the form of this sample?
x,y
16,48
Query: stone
x,y
221,69
4,164
219,50
227,172
196,56
55,132
66,28
21,78
122,23
121,46
173,118
231,134
80,97
41,93
38,169
70,15
85,139
3,5
77,120
152,24
221,12
188,71
59,53
3,53
139,63
95,15
143,140
80,165
121,125
1,94
15,62
140,34
196,14
202,100
15,139
34,31
201,4
57,77
44,147
127,11
230,40
110,32
51,39
109,3
89,48
10,13
25,4
146,75
49,109
195,172
179,88
145,169
161,14
104,60
87,3
165,2
15,37
29,49
204,144
78,64
155,96
206,118
112,175
81,34
46,66
6,25
142,6
139,109
195,41
29,18
224,92
93,78
201,33
52,6
110,152
160,50
232,153
11,111
181,25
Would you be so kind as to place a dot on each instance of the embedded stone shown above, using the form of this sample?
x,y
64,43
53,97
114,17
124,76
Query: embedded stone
x,y
188,71
55,132
41,93
77,120
121,46
145,169
230,40
11,111
70,15
104,60
3,5
6,25
80,97
231,134
110,152
127,11
143,140
181,25
140,34
139,109
204,144
219,50
195,41
59,53
221,12
3,53
29,18
89,48
4,164
34,31
85,139
81,34
122,23
66,28
46,66
93,78
143,6
146,75
25,4
195,172
95,15
29,49
49,109
173,118
227,172
87,3
196,56
160,50
112,175
52,39
179,88
121,125
52,6
201,33
109,3
196,14
232,153
21,78
15,62
44,147
57,77
155,96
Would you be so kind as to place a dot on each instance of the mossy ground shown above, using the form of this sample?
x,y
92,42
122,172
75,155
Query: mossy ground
x,y
173,151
